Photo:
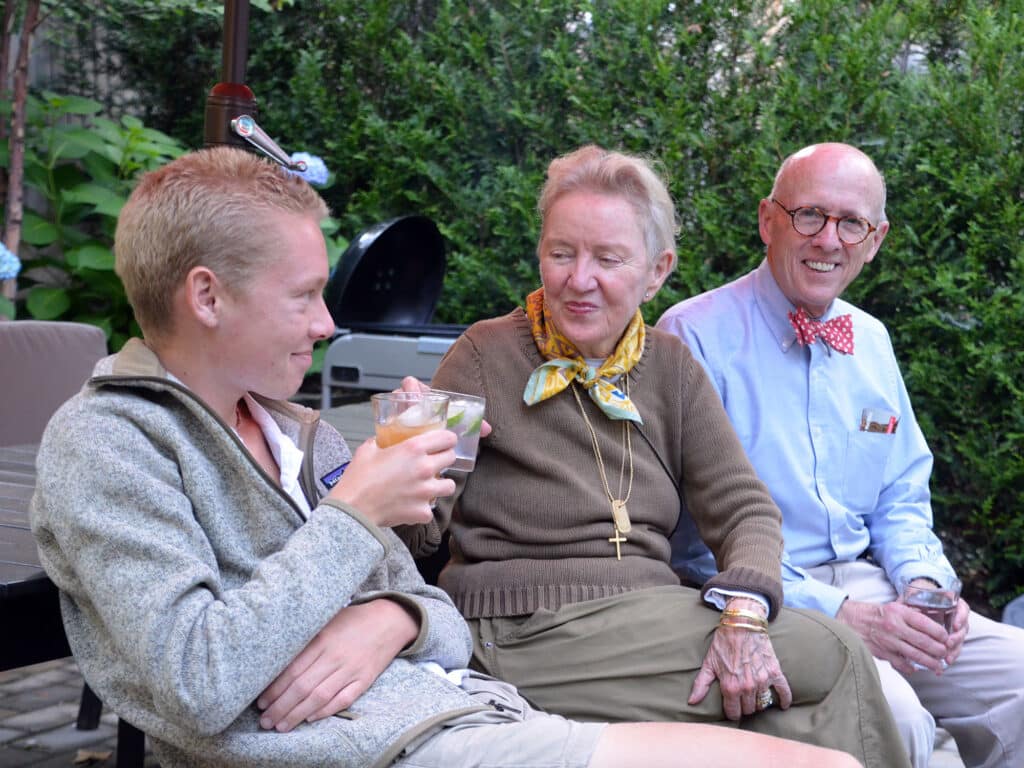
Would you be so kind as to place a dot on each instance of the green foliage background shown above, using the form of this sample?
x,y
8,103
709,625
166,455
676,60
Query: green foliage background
x,y
454,108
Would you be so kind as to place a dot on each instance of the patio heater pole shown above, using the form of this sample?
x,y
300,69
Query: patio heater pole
x,y
231,97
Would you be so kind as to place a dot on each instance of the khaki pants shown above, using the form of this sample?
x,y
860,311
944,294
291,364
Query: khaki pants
x,y
510,734
635,656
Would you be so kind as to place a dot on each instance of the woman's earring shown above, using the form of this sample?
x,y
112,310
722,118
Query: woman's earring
x,y
647,295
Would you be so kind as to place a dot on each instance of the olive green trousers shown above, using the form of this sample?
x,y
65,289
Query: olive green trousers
x,y
634,657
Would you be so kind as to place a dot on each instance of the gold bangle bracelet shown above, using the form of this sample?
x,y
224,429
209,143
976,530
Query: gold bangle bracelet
x,y
744,625
742,614
725,618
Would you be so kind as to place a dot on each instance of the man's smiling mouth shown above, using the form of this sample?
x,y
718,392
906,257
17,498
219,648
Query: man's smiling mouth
x,y
821,266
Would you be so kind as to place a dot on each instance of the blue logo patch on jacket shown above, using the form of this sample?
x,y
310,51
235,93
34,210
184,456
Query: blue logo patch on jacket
x,y
331,478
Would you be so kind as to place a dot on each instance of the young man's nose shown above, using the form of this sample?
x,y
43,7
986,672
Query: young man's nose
x,y
322,326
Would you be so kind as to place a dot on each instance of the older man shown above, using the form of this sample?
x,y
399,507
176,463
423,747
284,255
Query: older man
x,y
797,367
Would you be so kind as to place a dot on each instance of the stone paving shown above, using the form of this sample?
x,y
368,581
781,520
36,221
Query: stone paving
x,y
39,704
38,708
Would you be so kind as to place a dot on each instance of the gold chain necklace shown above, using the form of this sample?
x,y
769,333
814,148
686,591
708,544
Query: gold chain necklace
x,y
620,515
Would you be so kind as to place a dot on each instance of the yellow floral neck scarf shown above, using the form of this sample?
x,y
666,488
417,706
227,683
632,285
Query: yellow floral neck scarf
x,y
565,364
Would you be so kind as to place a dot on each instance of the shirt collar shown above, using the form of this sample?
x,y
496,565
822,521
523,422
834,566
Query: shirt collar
x,y
775,307
284,450
287,455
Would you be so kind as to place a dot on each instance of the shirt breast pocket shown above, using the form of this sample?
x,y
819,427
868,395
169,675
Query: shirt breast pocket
x,y
867,453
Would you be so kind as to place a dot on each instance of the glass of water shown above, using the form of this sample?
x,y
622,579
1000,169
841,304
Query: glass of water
x,y
936,603
465,417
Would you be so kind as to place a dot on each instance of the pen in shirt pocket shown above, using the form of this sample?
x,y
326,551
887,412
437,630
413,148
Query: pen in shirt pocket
x,y
878,420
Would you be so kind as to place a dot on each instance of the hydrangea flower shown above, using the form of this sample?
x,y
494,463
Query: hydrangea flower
x,y
316,170
10,265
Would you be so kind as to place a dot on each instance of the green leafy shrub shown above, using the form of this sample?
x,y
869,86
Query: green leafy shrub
x,y
950,282
453,109
79,168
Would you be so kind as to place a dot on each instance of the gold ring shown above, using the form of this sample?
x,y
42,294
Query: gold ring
x,y
764,700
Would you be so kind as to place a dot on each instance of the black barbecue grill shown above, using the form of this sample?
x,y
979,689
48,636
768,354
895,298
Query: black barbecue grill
x,y
382,297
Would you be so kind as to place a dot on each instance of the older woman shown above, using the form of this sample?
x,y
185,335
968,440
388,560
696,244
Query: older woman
x,y
559,538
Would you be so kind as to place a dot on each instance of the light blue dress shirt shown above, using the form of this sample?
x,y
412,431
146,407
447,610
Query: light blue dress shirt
x,y
843,492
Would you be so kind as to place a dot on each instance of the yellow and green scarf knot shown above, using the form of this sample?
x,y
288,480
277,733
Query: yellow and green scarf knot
x,y
565,364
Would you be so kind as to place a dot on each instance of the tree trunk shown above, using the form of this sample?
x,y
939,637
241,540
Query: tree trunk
x,y
5,87
14,211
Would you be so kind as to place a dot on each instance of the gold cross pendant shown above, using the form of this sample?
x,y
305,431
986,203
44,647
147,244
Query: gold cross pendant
x,y
618,540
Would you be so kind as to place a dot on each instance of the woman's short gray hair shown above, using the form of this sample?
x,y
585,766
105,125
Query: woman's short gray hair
x,y
594,169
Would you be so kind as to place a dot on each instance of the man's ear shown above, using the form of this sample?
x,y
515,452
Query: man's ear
x,y
204,296
765,209
876,241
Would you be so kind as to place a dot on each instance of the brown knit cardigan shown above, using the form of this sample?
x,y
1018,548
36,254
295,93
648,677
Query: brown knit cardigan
x,y
530,526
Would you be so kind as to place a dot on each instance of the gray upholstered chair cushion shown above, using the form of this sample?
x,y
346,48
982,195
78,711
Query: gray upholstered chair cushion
x,y
42,364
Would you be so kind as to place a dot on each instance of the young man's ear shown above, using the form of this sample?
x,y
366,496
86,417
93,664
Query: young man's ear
x,y
203,294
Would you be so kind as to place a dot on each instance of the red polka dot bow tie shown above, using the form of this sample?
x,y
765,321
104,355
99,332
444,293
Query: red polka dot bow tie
x,y
837,332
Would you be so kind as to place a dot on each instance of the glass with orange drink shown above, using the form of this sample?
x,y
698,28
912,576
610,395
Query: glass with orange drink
x,y
397,416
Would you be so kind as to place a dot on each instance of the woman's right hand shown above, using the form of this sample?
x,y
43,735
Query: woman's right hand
x,y
412,384
396,485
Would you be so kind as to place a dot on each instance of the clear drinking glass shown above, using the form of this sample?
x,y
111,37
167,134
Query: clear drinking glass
x,y
397,416
937,603
465,417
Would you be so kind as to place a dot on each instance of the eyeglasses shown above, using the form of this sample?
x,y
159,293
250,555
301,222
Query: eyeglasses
x,y
851,230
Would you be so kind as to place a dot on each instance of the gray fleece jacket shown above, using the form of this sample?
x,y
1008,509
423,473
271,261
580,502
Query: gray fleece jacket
x,y
189,579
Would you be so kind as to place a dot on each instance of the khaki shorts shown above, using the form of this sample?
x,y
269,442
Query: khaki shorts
x,y
511,734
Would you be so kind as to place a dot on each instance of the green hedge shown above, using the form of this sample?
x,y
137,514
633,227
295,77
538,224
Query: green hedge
x,y
453,109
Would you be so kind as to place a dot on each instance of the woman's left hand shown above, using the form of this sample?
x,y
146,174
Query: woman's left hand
x,y
744,663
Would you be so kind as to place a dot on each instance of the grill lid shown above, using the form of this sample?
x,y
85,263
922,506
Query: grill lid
x,y
391,275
